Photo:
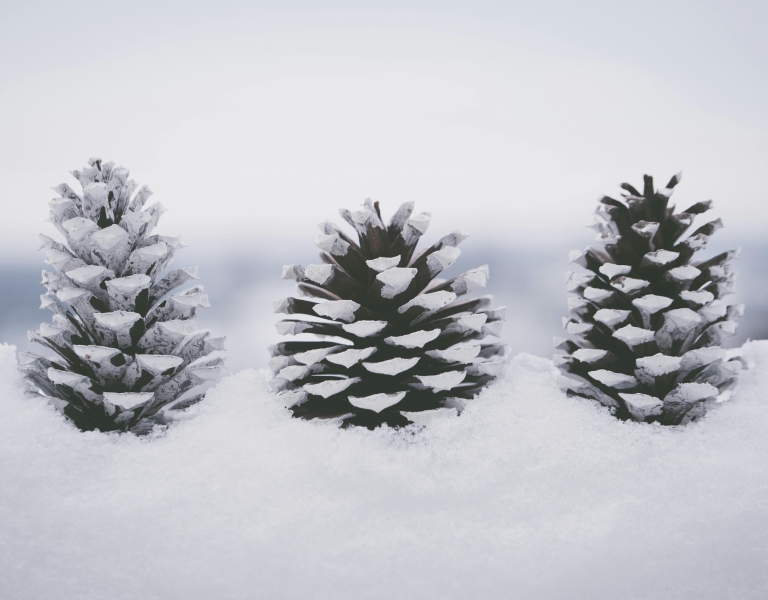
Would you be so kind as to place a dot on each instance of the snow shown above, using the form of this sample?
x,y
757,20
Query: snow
x,y
652,303
611,316
642,405
589,355
395,281
596,294
417,339
429,301
619,381
633,336
347,358
332,244
383,263
364,329
659,258
611,270
574,280
461,354
377,402
319,274
629,285
338,310
527,494
442,259
444,381
471,280
684,273
328,388
393,366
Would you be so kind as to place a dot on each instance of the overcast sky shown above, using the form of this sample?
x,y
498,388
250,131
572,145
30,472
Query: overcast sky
x,y
258,119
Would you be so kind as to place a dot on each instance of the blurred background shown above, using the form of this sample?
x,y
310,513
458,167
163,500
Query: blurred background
x,y
253,121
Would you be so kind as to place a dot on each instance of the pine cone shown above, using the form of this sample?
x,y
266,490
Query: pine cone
x,y
126,350
646,322
388,337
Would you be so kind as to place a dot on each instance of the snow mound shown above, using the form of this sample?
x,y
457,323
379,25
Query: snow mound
x,y
528,494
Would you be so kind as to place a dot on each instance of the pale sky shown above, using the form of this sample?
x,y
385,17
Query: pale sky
x,y
252,120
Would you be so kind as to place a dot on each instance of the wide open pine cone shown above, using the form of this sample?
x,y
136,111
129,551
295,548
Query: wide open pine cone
x,y
387,337
646,320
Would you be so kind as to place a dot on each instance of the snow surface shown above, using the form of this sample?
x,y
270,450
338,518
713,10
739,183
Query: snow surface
x,y
527,494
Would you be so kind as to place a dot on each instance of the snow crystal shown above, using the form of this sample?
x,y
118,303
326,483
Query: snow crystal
x,y
527,494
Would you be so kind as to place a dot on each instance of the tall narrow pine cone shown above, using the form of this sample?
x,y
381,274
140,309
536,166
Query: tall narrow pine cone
x,y
127,351
387,337
646,320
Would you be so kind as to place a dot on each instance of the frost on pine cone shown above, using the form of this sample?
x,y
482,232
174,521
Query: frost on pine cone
x,y
127,351
388,338
646,321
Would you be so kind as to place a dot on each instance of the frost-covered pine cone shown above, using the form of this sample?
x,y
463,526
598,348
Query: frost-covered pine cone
x,y
388,337
126,350
646,321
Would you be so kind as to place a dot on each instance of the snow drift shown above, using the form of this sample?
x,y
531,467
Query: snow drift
x,y
527,494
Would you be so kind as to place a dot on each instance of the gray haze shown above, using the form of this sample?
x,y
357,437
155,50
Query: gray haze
x,y
252,121
258,119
